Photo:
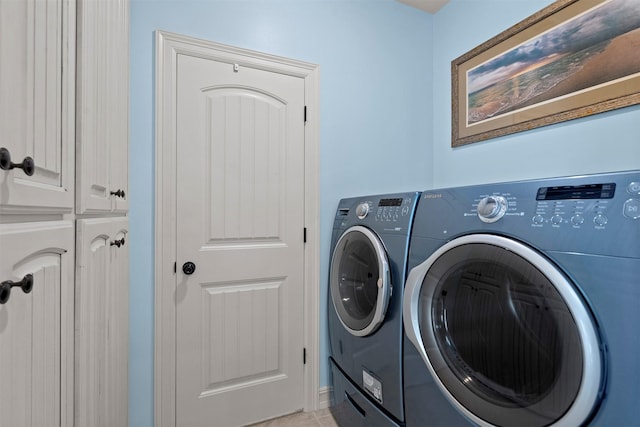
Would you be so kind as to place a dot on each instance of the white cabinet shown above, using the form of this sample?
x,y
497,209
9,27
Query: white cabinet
x,y
102,311
36,328
102,191
37,49
64,104
102,106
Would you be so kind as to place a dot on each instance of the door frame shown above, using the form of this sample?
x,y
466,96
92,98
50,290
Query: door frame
x,y
168,47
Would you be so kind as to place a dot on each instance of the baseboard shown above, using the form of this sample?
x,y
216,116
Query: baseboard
x,y
324,397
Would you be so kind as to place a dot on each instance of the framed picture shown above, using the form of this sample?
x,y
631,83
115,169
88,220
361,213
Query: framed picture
x,y
572,59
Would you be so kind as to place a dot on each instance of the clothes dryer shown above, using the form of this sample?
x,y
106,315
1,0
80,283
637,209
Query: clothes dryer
x,y
367,274
521,305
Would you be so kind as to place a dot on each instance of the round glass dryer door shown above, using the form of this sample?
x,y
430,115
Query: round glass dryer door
x,y
359,281
504,334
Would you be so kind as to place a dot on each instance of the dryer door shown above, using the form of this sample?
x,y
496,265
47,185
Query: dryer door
x,y
360,281
504,334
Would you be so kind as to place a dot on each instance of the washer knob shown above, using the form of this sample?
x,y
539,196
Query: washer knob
x,y
577,219
362,210
538,219
492,208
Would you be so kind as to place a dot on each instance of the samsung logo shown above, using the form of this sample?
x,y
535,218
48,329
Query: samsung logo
x,y
433,196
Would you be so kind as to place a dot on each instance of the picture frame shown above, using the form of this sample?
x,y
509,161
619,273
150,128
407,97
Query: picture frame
x,y
571,59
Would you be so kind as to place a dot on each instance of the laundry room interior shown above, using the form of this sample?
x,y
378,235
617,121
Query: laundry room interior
x,y
382,125
385,118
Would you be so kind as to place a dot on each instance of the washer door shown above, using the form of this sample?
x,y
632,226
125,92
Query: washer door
x,y
359,281
504,334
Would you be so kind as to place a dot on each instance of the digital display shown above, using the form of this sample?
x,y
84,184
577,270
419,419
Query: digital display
x,y
390,202
577,192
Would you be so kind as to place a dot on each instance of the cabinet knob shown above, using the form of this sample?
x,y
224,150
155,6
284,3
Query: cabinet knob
x,y
27,165
118,243
5,287
118,193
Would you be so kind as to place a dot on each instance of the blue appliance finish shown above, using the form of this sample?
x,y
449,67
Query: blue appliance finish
x,y
367,274
522,304
351,407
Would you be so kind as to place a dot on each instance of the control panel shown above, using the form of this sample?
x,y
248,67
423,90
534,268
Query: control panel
x,y
385,210
597,214
576,206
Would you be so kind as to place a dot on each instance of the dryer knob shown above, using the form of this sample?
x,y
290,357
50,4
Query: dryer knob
x,y
362,210
492,208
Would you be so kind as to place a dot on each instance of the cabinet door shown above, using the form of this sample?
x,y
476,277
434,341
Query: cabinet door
x,y
37,103
103,106
102,312
36,328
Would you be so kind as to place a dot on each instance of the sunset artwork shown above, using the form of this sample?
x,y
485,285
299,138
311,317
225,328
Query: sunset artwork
x,y
599,46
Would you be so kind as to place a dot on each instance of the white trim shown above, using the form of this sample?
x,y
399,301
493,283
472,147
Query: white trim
x,y
168,46
324,397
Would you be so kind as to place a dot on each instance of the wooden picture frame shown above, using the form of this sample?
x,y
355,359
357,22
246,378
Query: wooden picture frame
x,y
572,59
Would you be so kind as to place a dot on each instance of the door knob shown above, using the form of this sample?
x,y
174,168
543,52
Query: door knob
x,y
27,165
188,268
118,243
5,287
119,193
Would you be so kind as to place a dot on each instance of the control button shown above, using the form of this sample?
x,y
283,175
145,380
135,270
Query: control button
x,y
538,219
631,208
362,210
492,208
600,220
556,220
634,188
577,219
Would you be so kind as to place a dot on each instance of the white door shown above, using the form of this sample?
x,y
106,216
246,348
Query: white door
x,y
101,327
36,326
36,96
102,106
240,219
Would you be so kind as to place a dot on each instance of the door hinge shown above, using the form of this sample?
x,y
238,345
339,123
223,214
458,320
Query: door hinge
x,y
175,267
304,356
304,235
305,114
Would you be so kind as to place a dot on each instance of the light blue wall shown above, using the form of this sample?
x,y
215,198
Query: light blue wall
x,y
375,60
600,143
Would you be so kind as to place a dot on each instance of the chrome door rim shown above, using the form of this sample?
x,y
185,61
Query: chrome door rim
x,y
384,281
589,390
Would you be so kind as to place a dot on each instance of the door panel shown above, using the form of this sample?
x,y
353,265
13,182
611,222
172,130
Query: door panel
x,y
240,210
34,49
101,380
34,330
103,105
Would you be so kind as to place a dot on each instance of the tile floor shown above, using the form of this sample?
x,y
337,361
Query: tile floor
x,y
321,418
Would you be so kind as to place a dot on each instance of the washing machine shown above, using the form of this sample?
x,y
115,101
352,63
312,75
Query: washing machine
x,y
368,266
522,304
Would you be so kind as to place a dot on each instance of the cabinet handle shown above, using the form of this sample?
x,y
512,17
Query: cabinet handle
x,y
27,165
119,193
5,287
118,243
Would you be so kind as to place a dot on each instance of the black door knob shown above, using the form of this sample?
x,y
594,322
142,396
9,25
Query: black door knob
x,y
5,287
119,193
188,268
27,165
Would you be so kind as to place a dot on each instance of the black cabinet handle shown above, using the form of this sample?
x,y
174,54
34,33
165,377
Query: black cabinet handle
x,y
27,165
118,243
5,287
118,193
